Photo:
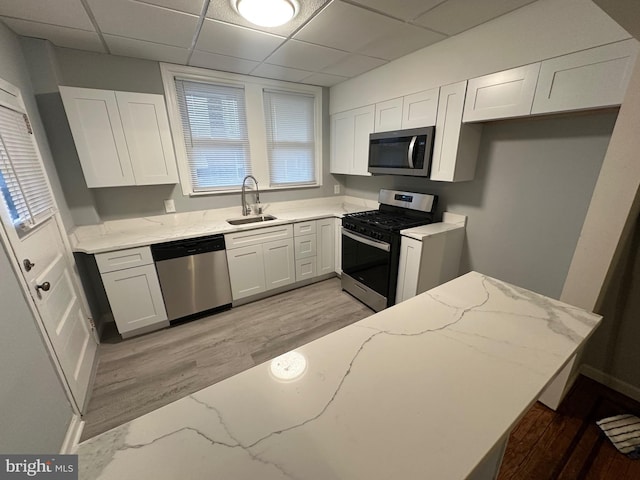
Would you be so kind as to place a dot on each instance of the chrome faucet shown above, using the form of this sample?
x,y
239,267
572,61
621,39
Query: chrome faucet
x,y
246,209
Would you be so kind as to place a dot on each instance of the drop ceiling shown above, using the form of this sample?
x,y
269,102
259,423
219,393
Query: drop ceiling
x,y
328,41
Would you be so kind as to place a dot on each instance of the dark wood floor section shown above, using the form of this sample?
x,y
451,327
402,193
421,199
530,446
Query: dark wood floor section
x,y
567,444
142,374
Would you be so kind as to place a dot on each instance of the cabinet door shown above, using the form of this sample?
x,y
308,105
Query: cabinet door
x,y
362,128
455,148
246,271
337,224
326,246
388,115
342,137
501,95
408,269
146,129
279,263
306,268
420,109
135,297
97,131
592,78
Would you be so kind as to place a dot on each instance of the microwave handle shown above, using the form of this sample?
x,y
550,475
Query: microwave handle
x,y
410,153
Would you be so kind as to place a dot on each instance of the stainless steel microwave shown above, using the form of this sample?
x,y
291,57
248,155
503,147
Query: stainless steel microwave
x,y
401,152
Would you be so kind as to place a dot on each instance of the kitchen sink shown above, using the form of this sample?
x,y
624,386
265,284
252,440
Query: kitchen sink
x,y
255,219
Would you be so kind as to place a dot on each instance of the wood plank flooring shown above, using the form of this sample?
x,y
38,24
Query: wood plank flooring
x,y
567,444
144,373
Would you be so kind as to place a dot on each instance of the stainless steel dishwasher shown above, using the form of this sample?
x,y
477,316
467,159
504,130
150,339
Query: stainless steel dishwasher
x,y
194,276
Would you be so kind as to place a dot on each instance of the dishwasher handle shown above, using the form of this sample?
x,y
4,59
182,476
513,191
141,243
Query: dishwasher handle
x,y
184,248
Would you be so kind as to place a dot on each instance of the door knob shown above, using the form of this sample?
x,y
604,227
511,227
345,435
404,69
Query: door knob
x,y
28,265
45,286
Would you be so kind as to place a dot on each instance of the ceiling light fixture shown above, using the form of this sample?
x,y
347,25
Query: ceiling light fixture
x,y
267,13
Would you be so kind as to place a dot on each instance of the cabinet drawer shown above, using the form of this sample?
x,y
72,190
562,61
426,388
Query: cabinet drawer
x,y
305,246
257,236
121,259
305,268
304,228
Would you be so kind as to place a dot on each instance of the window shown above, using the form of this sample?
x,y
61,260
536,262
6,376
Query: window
x,y
214,125
226,126
289,119
24,187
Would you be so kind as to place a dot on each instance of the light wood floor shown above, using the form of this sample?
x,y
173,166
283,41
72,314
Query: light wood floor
x,y
142,374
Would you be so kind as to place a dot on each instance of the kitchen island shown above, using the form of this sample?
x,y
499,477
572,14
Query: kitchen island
x,y
429,388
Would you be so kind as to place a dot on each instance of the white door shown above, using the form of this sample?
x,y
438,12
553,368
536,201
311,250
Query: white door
x,y
33,231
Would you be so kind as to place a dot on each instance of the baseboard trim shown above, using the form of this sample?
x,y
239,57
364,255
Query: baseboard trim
x,y
618,385
72,438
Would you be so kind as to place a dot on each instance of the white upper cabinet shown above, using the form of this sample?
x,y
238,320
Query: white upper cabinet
x,y
592,78
388,115
97,131
455,148
350,132
122,138
501,95
420,109
146,128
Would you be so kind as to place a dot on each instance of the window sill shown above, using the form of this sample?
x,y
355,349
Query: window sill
x,y
251,188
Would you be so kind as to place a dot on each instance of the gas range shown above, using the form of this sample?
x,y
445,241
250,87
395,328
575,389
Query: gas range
x,y
371,244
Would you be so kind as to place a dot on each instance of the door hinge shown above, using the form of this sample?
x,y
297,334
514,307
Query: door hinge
x,y
27,123
92,324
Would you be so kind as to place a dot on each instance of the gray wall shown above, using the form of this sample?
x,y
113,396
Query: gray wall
x,y
95,70
613,348
527,204
34,410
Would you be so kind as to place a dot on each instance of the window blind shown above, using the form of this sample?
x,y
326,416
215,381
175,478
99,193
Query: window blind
x,y
214,123
290,125
25,191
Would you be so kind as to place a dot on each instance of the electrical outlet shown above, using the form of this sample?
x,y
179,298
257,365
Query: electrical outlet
x,y
336,189
169,205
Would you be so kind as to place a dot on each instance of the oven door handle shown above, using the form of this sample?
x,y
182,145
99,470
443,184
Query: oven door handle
x,y
366,240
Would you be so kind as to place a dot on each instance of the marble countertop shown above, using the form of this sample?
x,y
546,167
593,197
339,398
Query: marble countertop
x,y
450,221
137,232
424,389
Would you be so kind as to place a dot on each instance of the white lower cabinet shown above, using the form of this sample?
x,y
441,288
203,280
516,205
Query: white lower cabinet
x,y
306,268
431,261
326,246
246,271
260,260
279,265
134,293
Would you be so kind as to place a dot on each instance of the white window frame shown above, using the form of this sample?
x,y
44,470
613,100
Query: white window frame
x,y
256,127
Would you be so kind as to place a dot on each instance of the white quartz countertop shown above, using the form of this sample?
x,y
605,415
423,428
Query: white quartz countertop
x,y
424,389
137,232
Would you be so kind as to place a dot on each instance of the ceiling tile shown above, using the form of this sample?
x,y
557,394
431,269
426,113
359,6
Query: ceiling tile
x,y
280,73
235,41
60,36
346,27
404,9
323,79
129,47
455,16
353,65
187,6
305,56
65,13
222,10
221,62
401,40
144,22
